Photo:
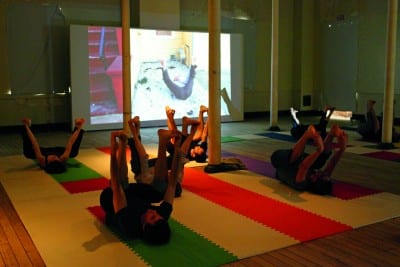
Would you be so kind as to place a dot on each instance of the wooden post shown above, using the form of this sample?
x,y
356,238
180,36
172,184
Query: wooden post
x,y
126,63
214,82
387,124
274,67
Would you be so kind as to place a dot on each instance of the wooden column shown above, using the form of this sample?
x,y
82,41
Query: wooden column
x,y
126,63
274,66
214,82
387,124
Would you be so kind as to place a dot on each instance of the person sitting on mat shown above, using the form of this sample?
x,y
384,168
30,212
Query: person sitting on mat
x,y
139,210
51,159
140,162
313,171
298,129
196,149
371,129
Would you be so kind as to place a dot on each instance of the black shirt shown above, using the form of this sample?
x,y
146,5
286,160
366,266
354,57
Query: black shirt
x,y
140,198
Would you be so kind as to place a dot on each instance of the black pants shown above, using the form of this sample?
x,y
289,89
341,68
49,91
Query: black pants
x,y
56,150
298,130
134,190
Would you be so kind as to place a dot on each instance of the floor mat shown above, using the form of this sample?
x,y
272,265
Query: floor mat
x,y
258,166
278,136
227,139
340,189
213,211
75,187
264,210
385,155
185,247
76,171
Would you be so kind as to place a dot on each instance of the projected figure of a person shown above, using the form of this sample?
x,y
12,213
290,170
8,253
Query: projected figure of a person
x,y
182,89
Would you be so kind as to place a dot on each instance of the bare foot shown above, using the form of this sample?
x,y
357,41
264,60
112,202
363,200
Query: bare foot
x,y
336,131
311,132
162,62
79,122
170,112
203,108
136,122
123,138
27,122
134,126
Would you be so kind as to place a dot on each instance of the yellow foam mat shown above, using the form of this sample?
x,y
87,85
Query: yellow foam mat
x,y
356,212
66,234
238,234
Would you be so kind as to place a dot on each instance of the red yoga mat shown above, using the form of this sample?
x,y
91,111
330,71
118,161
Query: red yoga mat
x,y
293,221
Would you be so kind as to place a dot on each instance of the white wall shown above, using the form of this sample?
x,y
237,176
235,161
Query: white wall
x,y
160,14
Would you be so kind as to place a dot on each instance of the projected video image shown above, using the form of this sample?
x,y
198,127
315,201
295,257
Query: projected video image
x,y
167,68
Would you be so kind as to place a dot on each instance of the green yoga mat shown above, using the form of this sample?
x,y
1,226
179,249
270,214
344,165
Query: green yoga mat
x,y
76,171
226,139
186,248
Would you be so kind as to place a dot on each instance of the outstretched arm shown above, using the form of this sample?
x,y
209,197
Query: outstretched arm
x,y
78,124
117,169
35,144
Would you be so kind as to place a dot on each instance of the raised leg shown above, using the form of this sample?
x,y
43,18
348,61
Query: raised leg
x,y
298,150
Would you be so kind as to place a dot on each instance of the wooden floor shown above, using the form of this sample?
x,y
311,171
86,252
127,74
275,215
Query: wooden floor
x,y
373,245
16,246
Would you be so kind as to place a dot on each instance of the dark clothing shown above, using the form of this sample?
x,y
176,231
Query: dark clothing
x,y
184,89
299,129
46,151
367,129
135,162
286,171
140,198
203,145
193,144
135,159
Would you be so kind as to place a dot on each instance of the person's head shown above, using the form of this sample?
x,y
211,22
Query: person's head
x,y
198,154
156,229
54,165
